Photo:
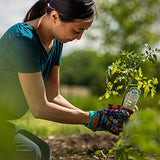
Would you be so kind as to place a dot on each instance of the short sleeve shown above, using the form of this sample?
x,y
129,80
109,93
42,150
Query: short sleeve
x,y
24,54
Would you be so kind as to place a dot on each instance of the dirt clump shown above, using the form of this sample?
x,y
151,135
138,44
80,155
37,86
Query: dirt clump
x,y
80,147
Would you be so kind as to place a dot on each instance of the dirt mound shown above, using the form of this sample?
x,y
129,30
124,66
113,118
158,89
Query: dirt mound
x,y
80,147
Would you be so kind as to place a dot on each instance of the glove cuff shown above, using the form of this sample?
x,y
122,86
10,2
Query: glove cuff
x,y
91,115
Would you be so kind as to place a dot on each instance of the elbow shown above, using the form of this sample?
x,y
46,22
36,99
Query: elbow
x,y
36,114
38,107
37,110
53,97
57,98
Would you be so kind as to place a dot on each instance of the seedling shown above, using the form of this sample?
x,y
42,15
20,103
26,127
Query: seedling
x,y
126,72
125,78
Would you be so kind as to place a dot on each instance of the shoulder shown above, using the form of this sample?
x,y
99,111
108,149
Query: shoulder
x,y
20,34
19,30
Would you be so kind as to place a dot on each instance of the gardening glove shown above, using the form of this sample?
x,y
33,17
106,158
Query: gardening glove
x,y
114,107
109,119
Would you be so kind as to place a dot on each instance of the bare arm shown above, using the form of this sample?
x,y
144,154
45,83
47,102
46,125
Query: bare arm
x,y
52,90
35,93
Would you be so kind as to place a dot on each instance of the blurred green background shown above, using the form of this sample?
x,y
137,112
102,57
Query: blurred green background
x,y
120,25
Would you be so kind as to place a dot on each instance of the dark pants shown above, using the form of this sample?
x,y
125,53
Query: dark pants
x,y
17,143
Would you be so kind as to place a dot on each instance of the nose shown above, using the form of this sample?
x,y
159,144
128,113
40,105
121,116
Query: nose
x,y
79,36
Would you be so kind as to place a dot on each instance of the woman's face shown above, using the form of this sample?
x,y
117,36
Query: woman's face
x,y
66,32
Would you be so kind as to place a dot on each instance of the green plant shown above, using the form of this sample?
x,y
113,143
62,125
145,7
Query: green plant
x,y
122,151
121,75
127,71
140,139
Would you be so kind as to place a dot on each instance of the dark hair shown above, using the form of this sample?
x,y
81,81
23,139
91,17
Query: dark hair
x,y
68,10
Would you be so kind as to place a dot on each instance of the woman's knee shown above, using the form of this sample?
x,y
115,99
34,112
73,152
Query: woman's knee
x,y
36,152
26,149
39,149
45,150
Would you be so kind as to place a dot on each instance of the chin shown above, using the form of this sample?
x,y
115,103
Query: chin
x,y
65,41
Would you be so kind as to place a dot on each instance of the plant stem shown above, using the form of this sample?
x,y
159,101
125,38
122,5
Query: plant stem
x,y
126,90
133,85
103,155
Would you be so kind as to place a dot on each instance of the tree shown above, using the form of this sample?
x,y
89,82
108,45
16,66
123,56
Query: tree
x,y
124,24
86,68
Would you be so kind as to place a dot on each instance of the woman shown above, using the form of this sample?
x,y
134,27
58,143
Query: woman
x,y
30,55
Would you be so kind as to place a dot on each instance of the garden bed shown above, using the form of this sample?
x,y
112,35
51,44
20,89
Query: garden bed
x,y
80,147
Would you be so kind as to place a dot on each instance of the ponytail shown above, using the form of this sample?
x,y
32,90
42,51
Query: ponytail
x,y
37,10
68,10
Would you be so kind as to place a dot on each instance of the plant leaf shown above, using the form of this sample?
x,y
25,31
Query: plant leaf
x,y
155,81
146,90
119,87
98,152
155,57
107,95
140,72
140,84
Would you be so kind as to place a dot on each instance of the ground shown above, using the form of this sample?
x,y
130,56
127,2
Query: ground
x,y
80,147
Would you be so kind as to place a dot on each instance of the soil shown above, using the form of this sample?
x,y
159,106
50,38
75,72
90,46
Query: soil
x,y
80,147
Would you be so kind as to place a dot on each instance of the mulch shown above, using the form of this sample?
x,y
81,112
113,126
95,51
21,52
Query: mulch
x,y
80,147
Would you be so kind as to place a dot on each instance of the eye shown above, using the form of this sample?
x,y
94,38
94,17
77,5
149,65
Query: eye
x,y
76,32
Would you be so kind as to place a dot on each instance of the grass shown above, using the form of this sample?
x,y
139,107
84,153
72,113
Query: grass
x,y
47,128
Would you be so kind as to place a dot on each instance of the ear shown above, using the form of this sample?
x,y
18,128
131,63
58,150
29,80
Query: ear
x,y
54,16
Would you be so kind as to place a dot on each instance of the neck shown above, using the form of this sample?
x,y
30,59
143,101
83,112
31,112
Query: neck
x,y
43,32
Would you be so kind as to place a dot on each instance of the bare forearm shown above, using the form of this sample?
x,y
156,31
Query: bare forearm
x,y
57,113
63,102
40,104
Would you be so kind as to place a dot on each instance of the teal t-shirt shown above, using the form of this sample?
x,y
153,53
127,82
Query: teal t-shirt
x,y
22,51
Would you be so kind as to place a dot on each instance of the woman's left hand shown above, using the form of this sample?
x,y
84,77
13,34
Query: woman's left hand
x,y
109,119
